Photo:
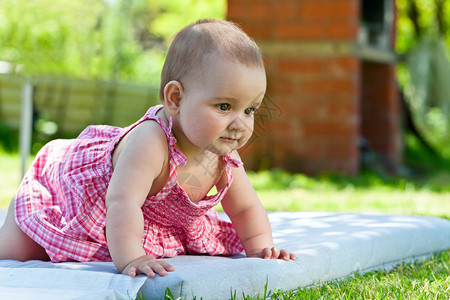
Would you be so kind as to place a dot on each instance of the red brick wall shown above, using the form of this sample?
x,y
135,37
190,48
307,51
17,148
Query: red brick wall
x,y
297,20
313,120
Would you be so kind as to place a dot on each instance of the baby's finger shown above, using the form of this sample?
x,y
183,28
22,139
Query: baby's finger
x,y
158,268
266,253
284,255
167,267
293,257
147,270
132,271
275,252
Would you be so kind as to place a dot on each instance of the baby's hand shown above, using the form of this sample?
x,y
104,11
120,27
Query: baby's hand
x,y
275,253
147,265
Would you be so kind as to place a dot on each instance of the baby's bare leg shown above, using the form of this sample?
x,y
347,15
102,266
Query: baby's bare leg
x,y
15,244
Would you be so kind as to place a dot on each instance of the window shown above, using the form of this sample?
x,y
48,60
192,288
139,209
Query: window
x,y
377,22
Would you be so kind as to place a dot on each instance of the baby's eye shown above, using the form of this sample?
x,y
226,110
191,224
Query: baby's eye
x,y
223,106
249,111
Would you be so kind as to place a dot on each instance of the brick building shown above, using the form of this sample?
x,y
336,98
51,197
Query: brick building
x,y
331,83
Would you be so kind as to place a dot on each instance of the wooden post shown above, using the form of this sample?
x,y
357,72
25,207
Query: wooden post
x,y
26,124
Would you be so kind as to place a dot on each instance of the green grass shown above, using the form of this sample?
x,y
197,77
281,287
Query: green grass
x,y
368,193
10,169
429,279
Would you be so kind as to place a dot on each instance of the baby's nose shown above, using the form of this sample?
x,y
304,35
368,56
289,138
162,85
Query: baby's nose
x,y
238,124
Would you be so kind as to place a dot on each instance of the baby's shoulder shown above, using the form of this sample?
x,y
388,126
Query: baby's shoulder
x,y
146,139
149,128
149,134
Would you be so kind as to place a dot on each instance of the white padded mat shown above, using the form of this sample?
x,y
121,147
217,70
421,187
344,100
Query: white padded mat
x,y
328,246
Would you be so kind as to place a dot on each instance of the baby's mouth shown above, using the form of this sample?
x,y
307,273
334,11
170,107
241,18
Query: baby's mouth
x,y
229,139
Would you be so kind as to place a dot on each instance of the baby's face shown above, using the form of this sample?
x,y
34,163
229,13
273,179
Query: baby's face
x,y
218,105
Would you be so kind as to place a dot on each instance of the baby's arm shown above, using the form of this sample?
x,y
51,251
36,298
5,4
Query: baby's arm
x,y
249,218
139,163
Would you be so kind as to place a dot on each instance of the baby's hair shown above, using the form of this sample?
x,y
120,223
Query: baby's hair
x,y
191,45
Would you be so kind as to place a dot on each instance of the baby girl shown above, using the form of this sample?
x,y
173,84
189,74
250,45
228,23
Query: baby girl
x,y
117,193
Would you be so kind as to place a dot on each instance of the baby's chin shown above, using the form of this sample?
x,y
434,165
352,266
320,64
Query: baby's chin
x,y
225,149
218,151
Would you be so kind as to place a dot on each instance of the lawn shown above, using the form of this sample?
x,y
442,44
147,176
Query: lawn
x,y
427,194
417,280
367,193
10,169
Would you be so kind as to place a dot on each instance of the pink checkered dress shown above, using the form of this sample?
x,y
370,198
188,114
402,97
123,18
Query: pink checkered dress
x,y
61,202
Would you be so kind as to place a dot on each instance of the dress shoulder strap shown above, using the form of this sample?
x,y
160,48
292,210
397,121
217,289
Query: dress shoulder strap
x,y
175,154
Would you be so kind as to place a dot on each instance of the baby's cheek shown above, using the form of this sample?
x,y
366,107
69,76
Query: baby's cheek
x,y
247,138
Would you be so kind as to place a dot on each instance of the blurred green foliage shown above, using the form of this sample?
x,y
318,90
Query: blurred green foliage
x,y
406,35
423,38
121,40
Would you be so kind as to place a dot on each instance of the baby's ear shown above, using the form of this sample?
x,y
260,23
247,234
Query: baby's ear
x,y
173,92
